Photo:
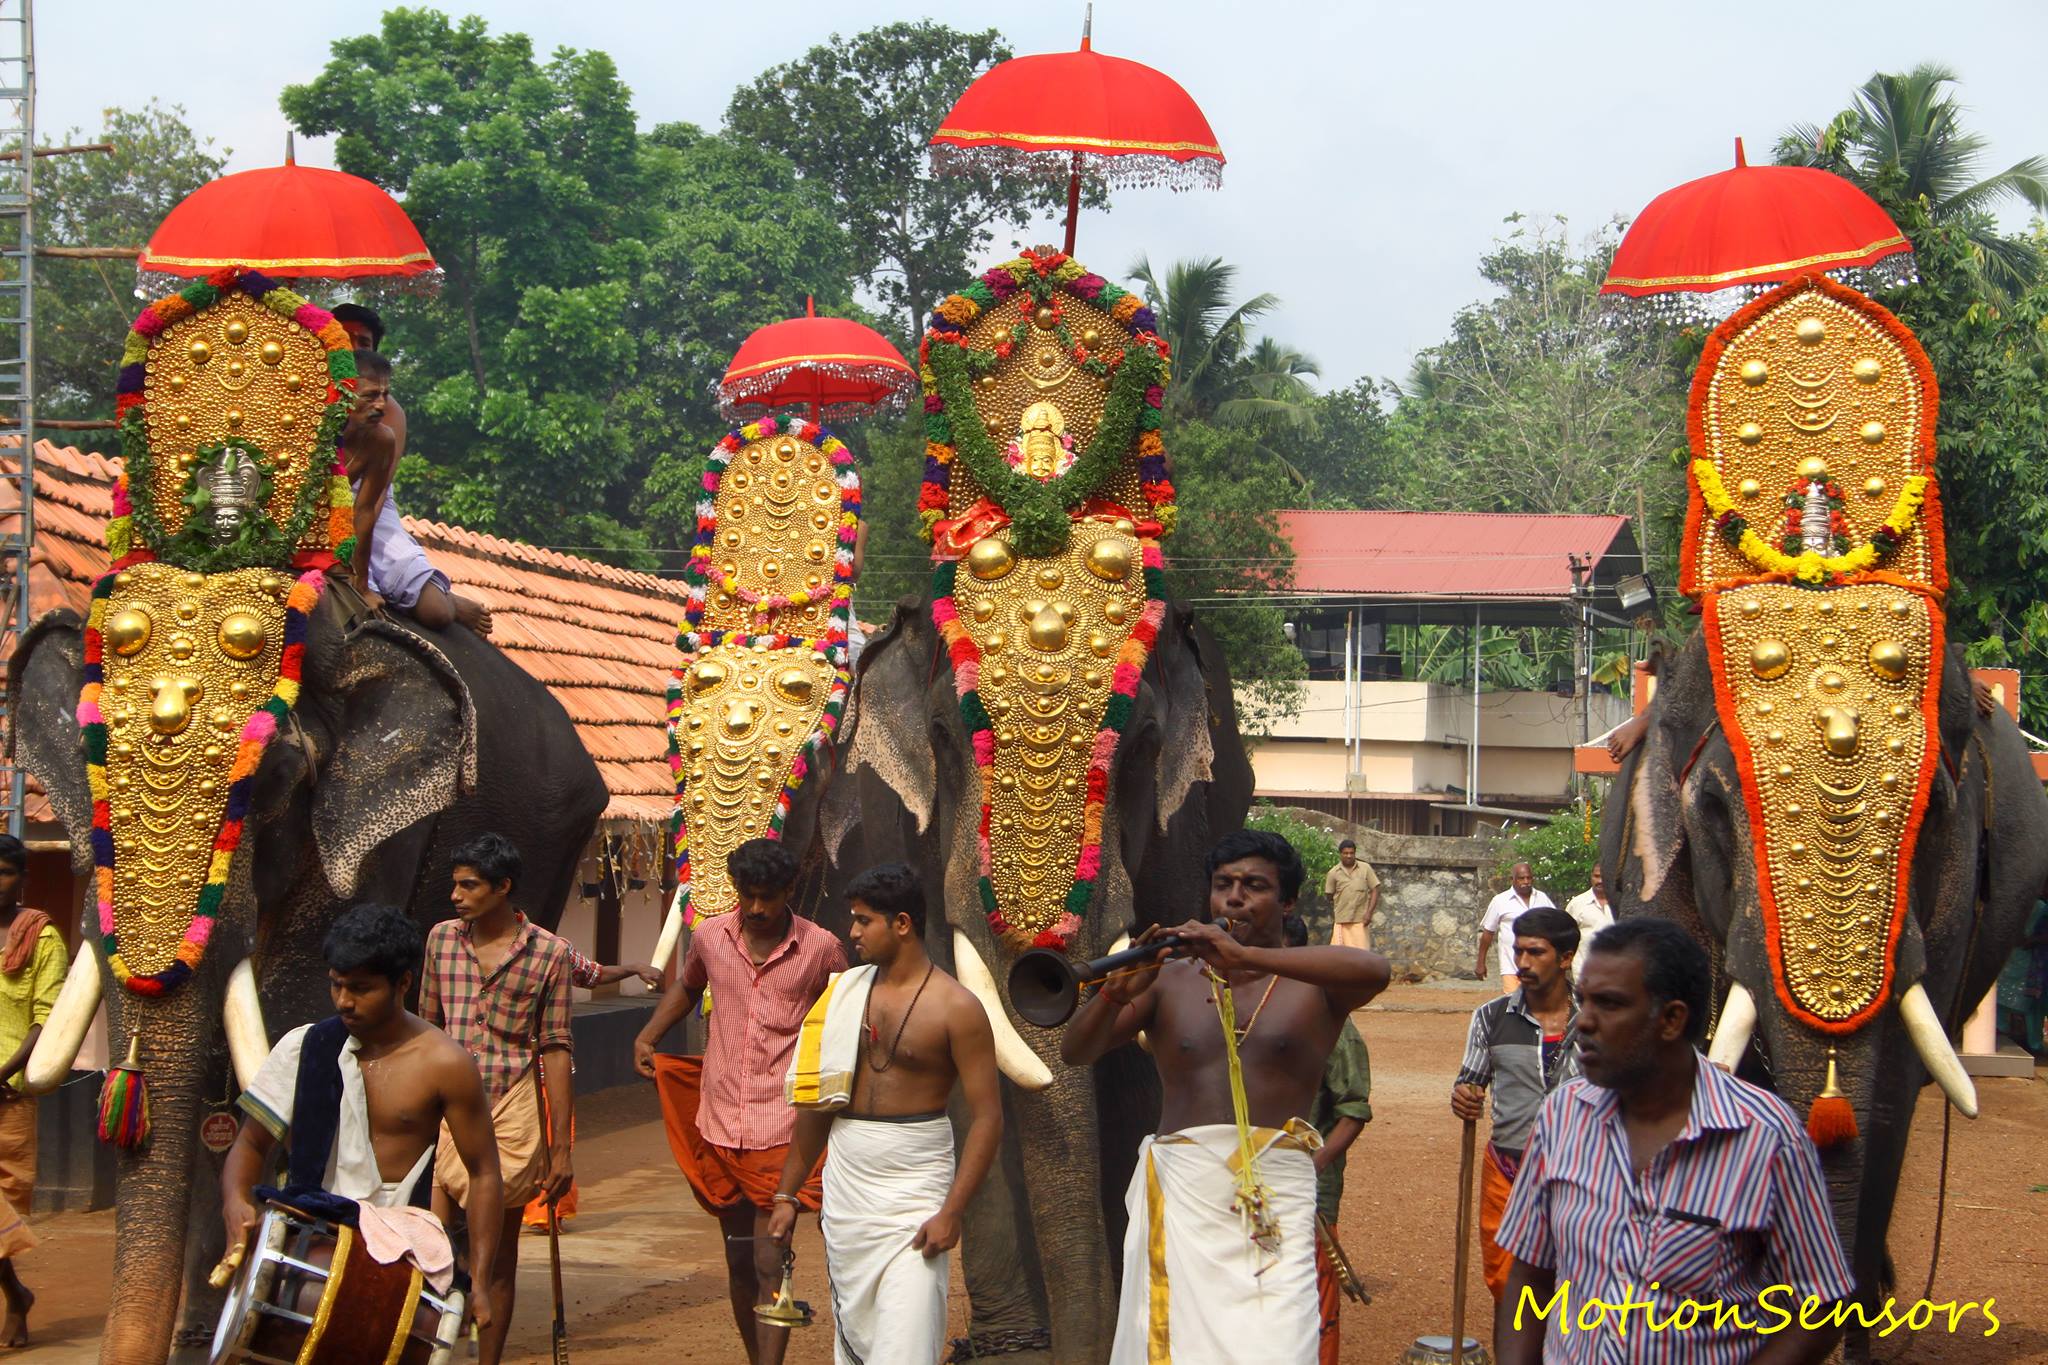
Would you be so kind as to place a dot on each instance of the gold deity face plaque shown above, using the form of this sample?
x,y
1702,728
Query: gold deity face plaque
x,y
187,658
1828,701
746,717
1812,419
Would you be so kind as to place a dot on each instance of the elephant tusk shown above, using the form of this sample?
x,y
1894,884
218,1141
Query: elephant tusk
x,y
1014,1057
242,1017
671,933
1732,1034
1930,1040
68,1022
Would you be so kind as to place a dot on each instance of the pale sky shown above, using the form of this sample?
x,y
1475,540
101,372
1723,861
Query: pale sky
x,y
1374,148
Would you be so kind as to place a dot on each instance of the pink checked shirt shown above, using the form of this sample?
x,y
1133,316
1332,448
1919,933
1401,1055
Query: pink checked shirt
x,y
755,1014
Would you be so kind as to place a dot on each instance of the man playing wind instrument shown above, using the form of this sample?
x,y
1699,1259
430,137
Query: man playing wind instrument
x,y
1219,1260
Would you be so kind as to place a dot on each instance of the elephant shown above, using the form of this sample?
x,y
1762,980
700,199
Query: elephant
x,y
1676,841
1037,1249
404,741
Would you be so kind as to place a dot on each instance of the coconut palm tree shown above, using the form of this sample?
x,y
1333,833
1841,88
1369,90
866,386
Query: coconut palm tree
x,y
1903,135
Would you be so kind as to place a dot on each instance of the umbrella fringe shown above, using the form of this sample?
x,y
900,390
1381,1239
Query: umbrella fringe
x,y
1713,307
1128,170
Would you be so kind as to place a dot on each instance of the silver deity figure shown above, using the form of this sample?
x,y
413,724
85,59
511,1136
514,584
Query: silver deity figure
x,y
233,485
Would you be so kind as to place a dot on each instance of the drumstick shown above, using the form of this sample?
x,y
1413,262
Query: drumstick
x,y
1465,1155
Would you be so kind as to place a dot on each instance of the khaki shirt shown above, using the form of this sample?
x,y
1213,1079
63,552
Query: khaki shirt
x,y
1350,890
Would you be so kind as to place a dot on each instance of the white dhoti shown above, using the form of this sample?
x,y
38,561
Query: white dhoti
x,y
1196,1290
882,1181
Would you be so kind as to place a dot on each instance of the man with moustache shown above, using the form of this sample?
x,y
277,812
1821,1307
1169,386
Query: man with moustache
x,y
1219,1260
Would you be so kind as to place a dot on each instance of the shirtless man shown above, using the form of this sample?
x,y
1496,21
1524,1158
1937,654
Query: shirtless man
x,y
1232,1298
401,1078
389,567
893,1197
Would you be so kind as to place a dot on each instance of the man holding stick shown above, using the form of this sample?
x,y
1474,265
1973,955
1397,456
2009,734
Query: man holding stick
x,y
1219,1260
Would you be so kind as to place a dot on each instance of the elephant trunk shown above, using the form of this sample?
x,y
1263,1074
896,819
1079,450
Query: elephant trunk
x,y
167,1187
1060,1154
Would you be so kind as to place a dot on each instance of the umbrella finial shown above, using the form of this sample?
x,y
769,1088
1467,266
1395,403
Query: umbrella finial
x,y
810,306
1088,27
290,155
1740,159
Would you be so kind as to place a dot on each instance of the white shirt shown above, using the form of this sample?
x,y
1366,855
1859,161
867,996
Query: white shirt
x,y
1591,916
1501,913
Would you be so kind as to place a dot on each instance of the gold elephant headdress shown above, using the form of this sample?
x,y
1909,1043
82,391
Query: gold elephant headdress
x,y
764,675
1045,476
1813,540
230,508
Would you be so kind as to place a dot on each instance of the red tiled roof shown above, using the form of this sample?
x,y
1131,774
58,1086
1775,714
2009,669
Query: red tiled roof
x,y
602,639
1429,556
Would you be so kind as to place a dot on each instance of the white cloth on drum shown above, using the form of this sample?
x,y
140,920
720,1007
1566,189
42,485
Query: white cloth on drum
x,y
882,1181
390,1233
352,1170
1194,1290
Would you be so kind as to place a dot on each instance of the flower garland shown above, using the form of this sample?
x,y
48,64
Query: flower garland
x,y
1137,374
1116,718
1808,566
256,736
130,517
832,643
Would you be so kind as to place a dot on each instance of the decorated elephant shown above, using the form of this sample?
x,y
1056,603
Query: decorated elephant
x,y
235,759
1051,742
1818,798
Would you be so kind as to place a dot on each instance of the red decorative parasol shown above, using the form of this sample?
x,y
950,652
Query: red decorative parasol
x,y
1714,242
1042,114
835,366
289,221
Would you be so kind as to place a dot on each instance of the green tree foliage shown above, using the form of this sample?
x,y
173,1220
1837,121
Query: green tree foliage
x,y
1342,452
1980,309
1536,403
598,280
84,308
1317,845
855,117
1561,852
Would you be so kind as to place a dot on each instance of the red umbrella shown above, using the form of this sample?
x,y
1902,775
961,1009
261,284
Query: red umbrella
x,y
1044,113
835,366
290,221
1754,227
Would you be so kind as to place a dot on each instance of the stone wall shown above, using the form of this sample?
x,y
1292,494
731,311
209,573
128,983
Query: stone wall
x,y
1433,890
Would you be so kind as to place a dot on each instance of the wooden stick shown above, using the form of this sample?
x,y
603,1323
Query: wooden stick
x,y
97,424
90,253
561,1324
1466,1150
15,155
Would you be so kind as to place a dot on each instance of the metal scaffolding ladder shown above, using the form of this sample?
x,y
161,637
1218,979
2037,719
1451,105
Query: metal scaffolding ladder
x,y
17,363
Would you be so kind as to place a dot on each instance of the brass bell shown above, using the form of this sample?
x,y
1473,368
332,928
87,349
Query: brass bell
x,y
785,1311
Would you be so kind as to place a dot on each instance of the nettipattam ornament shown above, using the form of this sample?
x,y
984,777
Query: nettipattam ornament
x,y
1046,493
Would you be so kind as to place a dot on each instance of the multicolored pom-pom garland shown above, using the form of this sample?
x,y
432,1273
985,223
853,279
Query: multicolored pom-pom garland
x,y
255,738
692,639
1137,375
131,519
1116,718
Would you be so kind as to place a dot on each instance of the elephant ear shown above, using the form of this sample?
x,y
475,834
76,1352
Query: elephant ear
x,y
404,746
44,676
890,735
1187,751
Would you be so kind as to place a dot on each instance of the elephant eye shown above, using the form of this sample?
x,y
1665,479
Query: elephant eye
x,y
794,686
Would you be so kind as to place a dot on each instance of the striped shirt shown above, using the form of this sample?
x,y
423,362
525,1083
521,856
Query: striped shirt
x,y
1504,1053
1733,1206
754,1029
498,1015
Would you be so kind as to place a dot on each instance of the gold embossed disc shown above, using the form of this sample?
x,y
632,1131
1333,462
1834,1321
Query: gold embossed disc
x,y
209,376
748,712
1824,699
1049,631
778,510
175,703
1814,384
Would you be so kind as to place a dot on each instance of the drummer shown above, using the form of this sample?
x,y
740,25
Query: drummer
x,y
382,1081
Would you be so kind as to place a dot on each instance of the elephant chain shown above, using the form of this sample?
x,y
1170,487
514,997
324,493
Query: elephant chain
x,y
985,1345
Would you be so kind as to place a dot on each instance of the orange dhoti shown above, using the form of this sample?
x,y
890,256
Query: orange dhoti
x,y
724,1179
1329,1298
1495,1184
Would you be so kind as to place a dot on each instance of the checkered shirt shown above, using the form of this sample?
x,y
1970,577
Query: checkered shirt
x,y
497,1016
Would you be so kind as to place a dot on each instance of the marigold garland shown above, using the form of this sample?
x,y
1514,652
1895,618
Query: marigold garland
x,y
1808,566
130,517
1116,718
1137,374
256,735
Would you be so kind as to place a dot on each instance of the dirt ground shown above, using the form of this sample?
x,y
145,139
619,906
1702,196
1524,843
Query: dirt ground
x,y
645,1278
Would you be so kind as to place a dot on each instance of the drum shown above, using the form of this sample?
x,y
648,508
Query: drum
x,y
308,1293
1437,1351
